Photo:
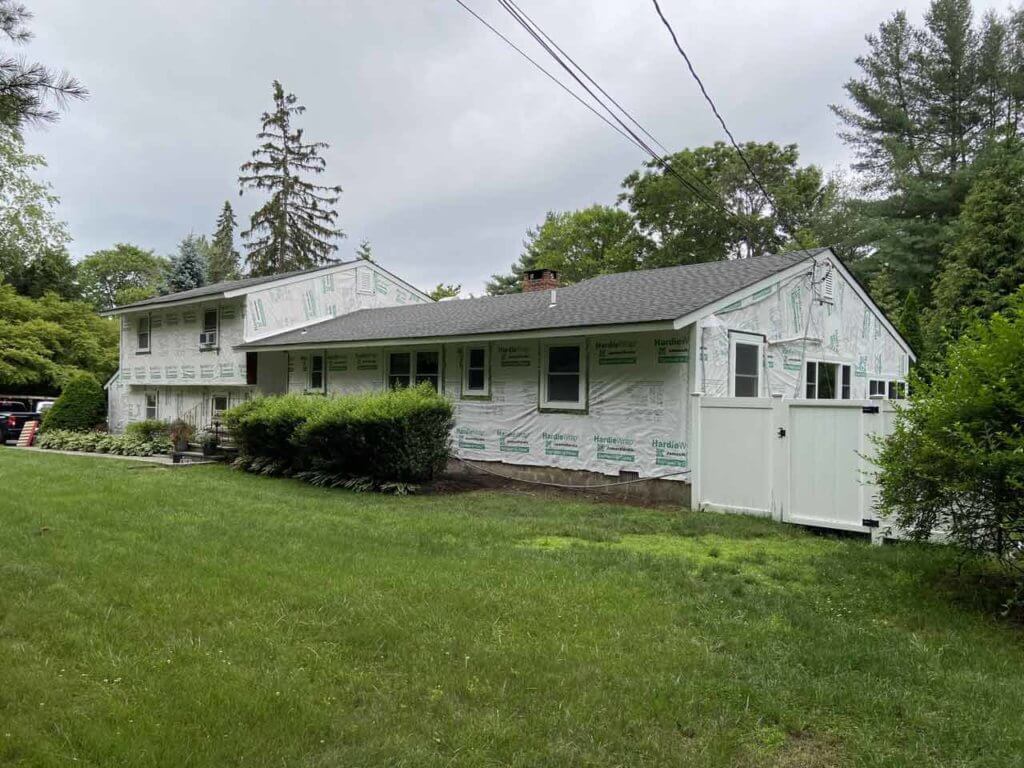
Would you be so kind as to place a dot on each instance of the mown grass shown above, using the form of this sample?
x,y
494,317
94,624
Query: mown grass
x,y
201,617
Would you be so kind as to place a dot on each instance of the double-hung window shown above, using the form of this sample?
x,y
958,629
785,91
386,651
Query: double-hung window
x,y
218,404
828,381
406,368
152,409
745,356
475,379
316,373
211,323
143,334
564,378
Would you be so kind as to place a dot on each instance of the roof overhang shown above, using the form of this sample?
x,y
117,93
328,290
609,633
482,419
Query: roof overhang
x,y
550,333
130,309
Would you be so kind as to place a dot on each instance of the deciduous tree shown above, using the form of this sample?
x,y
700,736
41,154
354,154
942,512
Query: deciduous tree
x,y
121,275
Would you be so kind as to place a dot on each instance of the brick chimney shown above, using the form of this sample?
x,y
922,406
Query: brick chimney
x,y
539,280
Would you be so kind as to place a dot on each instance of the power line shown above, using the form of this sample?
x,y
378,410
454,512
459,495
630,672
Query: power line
x,y
540,37
711,103
554,79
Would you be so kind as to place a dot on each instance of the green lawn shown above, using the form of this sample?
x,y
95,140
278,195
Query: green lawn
x,y
201,617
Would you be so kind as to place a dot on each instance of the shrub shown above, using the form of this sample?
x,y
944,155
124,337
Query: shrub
x,y
399,436
384,440
149,429
80,406
101,442
262,429
955,461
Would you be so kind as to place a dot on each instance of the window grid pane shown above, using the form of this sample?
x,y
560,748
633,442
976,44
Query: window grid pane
x,y
812,381
564,359
563,388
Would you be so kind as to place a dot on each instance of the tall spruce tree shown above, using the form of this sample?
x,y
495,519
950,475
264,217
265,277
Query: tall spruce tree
x,y
295,228
224,260
188,268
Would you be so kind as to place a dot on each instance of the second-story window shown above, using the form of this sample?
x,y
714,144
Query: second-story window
x,y
208,336
143,333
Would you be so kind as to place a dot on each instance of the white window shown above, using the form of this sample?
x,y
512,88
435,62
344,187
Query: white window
x,y
475,372
894,389
745,356
897,390
828,381
218,404
211,322
406,368
563,378
316,372
143,334
152,409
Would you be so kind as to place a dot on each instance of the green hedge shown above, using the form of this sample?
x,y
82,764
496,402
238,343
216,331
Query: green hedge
x,y
262,429
148,429
383,440
101,442
80,406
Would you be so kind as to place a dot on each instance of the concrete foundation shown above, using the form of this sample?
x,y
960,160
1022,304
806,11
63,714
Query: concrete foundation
x,y
674,492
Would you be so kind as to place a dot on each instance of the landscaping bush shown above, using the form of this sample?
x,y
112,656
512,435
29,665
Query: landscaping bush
x,y
955,461
395,437
80,406
102,442
387,440
262,430
149,429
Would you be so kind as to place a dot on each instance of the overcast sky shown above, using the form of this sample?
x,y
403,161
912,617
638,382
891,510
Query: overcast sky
x,y
447,144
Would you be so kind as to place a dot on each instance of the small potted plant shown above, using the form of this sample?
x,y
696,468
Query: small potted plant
x,y
210,441
181,432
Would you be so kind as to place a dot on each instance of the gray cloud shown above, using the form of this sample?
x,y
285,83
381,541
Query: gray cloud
x,y
448,145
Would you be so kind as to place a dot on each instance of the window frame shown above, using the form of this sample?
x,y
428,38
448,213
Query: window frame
x,y
139,349
156,404
213,405
583,387
485,391
752,340
203,330
842,385
414,372
323,373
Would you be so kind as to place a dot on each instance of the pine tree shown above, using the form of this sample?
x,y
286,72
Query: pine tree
x,y
883,293
909,321
188,268
224,259
364,251
294,228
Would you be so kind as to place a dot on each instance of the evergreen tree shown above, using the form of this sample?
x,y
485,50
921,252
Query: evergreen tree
x,y
909,322
29,92
927,102
986,259
294,228
883,293
443,291
364,251
224,260
188,268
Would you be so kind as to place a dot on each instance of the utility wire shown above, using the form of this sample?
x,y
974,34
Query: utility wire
x,y
526,22
711,103
554,79
666,166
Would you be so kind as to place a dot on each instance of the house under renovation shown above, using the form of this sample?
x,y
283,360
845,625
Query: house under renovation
x,y
749,385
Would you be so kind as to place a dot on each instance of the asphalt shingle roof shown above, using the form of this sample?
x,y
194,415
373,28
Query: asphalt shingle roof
x,y
627,297
216,289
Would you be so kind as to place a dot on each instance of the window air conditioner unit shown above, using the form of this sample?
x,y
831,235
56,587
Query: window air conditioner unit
x,y
208,339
